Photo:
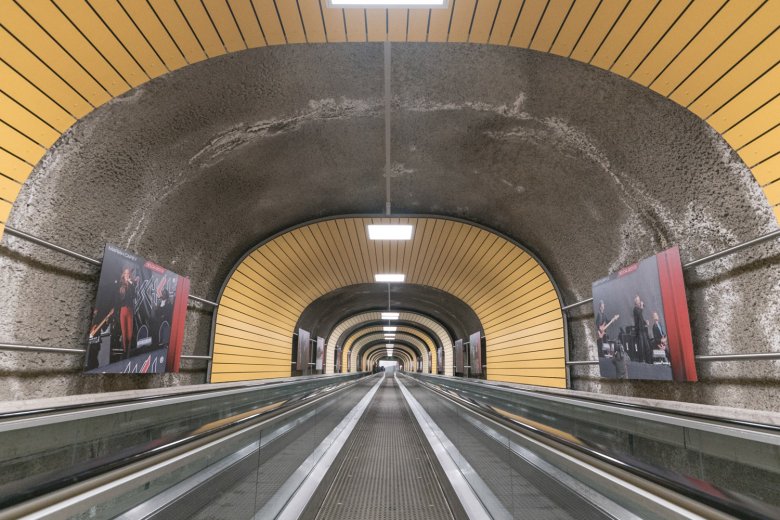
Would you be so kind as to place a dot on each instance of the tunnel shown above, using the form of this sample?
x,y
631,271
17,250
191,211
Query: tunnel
x,y
573,312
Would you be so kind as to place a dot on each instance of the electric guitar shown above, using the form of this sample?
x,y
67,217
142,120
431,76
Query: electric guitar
x,y
603,328
99,326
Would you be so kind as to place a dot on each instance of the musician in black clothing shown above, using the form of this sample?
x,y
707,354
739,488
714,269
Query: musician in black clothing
x,y
660,339
601,322
640,329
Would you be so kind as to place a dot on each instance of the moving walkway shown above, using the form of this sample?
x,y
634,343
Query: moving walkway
x,y
388,445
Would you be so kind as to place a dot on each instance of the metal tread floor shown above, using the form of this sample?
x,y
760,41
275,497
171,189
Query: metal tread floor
x,y
386,473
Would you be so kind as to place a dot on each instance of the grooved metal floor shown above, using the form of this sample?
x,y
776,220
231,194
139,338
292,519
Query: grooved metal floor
x,y
386,474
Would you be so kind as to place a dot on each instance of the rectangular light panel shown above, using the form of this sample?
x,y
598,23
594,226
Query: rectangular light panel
x,y
388,3
389,277
389,329
390,231
390,315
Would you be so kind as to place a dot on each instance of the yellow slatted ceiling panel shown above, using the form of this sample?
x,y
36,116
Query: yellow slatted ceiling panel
x,y
360,343
59,59
416,336
508,290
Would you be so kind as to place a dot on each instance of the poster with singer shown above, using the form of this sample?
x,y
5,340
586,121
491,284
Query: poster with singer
x,y
138,320
642,326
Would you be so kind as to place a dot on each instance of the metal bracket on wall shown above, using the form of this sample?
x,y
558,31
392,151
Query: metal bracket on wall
x,y
79,256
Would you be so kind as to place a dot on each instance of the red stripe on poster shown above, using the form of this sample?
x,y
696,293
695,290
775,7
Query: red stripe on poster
x,y
678,329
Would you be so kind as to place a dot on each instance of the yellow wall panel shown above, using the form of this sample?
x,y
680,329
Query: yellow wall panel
x,y
529,20
749,35
355,20
335,25
376,25
768,170
463,12
245,17
123,27
147,22
598,29
26,30
312,21
60,28
738,104
754,125
551,382
675,40
9,188
396,24
762,148
207,35
620,35
439,24
484,16
651,33
575,24
222,18
550,24
505,21
175,23
13,167
772,192
98,34
25,90
26,123
704,43
20,145
5,210
291,21
418,25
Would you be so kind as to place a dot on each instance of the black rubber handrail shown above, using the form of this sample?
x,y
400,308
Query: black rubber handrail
x,y
619,404
155,397
686,486
19,491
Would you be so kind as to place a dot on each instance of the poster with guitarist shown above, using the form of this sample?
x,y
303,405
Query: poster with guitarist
x,y
642,327
138,319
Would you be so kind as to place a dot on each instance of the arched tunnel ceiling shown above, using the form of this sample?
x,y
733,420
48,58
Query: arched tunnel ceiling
x,y
508,289
322,315
60,59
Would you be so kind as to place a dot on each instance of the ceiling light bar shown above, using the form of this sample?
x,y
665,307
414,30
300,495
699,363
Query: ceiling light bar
x,y
389,329
433,4
390,231
389,277
390,315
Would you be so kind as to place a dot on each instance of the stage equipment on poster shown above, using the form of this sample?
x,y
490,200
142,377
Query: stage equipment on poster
x,y
475,353
641,321
138,319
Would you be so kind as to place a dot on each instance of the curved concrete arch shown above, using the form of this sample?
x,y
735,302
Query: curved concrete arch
x,y
333,338
68,89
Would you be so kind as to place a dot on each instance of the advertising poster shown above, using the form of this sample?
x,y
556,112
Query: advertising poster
x,y
338,360
320,361
475,351
439,361
459,356
138,319
304,344
641,321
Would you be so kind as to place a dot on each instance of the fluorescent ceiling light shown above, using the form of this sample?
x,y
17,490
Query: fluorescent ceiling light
x,y
390,231
389,329
390,346
387,3
389,336
390,315
389,277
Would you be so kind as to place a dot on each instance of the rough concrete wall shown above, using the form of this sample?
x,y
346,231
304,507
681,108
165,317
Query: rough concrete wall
x,y
587,169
